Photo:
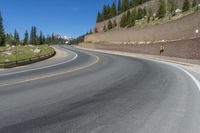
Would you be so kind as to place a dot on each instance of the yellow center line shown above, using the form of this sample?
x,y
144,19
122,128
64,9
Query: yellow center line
x,y
53,75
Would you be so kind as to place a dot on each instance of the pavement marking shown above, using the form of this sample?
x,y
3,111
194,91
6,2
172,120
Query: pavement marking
x,y
40,68
195,80
53,75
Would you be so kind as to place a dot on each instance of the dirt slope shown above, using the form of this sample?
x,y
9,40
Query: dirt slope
x,y
183,28
150,4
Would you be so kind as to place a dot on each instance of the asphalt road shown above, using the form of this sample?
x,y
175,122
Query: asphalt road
x,y
99,93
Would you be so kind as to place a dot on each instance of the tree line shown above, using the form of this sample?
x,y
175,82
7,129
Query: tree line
x,y
32,38
117,8
80,39
129,18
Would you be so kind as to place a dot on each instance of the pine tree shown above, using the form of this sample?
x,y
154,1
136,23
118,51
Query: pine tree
x,y
144,12
99,17
131,3
2,34
110,25
113,11
48,39
138,2
141,2
44,40
16,38
90,31
41,38
135,3
53,38
119,7
186,5
162,9
194,3
9,39
123,21
128,17
132,19
33,36
106,12
125,5
172,6
25,42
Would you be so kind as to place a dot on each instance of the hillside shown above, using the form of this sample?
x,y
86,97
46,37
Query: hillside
x,y
153,4
182,26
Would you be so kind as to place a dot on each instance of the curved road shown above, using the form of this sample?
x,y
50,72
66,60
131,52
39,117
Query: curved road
x,y
99,93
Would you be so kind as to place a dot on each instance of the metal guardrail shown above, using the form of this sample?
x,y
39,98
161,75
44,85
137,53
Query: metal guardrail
x,y
26,61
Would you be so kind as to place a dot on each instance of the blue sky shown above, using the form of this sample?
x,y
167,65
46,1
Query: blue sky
x,y
67,17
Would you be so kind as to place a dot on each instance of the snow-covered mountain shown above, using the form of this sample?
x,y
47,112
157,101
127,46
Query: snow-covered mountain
x,y
67,38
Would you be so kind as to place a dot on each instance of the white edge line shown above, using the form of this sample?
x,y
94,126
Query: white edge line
x,y
12,73
195,80
192,77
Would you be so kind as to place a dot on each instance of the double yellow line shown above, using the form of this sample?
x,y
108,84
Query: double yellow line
x,y
97,59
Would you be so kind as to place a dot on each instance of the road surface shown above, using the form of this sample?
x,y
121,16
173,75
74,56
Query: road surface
x,y
98,93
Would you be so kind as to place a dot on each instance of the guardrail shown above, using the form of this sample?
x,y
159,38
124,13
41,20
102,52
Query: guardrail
x,y
11,64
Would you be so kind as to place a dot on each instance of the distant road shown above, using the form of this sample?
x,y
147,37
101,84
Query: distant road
x,y
99,93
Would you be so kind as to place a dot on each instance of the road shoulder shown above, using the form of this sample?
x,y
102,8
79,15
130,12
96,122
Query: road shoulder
x,y
191,65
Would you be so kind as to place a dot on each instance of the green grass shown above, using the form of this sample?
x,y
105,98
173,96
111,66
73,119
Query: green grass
x,y
23,53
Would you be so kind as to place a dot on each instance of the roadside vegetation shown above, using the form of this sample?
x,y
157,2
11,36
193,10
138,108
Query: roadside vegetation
x,y
23,53
30,38
116,9
80,39
32,46
141,17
